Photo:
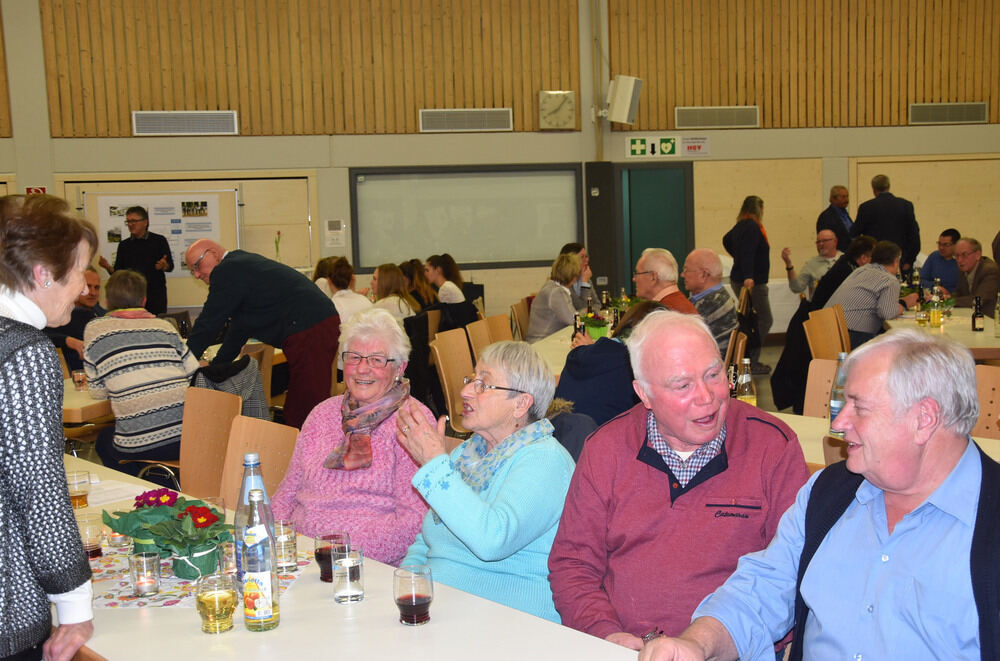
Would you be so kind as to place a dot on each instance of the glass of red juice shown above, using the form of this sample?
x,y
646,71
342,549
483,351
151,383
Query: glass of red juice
x,y
329,546
413,589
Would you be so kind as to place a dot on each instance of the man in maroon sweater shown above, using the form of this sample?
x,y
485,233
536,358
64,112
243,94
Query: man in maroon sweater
x,y
667,496
655,279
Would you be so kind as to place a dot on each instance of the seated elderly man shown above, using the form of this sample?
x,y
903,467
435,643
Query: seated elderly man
x,y
667,496
978,276
870,294
69,338
888,555
703,278
815,268
655,279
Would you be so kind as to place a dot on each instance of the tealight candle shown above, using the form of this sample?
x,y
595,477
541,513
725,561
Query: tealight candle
x,y
144,569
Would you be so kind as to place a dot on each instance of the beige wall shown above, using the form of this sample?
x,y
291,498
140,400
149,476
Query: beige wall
x,y
792,169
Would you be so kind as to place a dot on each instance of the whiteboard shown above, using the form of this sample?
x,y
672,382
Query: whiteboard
x,y
509,216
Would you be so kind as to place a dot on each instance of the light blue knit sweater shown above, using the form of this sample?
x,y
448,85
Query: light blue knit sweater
x,y
496,543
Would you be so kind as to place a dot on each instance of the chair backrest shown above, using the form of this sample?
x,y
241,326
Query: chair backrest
x,y
453,360
823,337
479,337
519,314
208,417
845,334
988,384
62,362
743,303
433,323
822,372
500,328
264,355
272,441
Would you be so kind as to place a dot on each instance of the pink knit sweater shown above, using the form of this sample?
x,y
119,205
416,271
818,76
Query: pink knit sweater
x,y
376,505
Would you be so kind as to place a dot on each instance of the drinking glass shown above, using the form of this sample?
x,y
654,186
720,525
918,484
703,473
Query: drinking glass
x,y
79,380
216,600
349,576
284,538
413,589
79,486
91,534
326,545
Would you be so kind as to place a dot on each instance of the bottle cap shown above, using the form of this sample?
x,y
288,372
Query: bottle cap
x,y
251,459
256,495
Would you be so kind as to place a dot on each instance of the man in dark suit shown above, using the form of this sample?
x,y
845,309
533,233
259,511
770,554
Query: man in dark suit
x,y
835,217
978,276
889,218
147,253
274,303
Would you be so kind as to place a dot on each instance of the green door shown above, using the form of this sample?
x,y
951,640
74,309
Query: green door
x,y
657,210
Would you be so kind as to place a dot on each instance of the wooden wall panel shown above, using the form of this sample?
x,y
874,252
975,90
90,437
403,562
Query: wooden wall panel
x,y
807,63
302,67
5,125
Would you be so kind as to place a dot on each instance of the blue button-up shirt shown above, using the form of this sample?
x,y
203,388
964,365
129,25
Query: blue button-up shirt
x,y
871,595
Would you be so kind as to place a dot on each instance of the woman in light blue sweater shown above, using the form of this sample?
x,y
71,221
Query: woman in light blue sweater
x,y
496,499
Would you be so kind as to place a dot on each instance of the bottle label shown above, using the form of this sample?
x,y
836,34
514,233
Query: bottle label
x,y
835,409
257,598
255,535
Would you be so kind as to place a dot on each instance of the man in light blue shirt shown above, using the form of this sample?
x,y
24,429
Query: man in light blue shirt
x,y
892,576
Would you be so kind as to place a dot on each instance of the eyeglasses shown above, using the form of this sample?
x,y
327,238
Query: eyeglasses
x,y
636,274
945,244
134,221
197,263
963,255
480,387
376,360
819,241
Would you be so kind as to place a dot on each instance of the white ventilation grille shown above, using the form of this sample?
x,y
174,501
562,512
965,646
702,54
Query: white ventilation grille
x,y
717,117
465,120
948,113
184,122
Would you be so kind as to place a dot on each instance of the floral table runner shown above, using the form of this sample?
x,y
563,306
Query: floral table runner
x,y
113,587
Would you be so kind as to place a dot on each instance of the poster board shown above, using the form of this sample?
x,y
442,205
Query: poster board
x,y
182,218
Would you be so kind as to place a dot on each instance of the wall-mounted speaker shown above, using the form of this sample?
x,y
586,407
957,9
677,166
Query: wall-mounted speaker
x,y
623,98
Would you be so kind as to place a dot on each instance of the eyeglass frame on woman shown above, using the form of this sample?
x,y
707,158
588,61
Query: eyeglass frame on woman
x,y
349,359
480,386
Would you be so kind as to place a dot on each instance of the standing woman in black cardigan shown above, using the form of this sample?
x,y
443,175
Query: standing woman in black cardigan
x,y
747,243
44,252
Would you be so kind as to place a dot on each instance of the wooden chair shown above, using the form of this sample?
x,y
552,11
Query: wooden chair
x,y
822,372
833,322
845,334
62,363
988,385
264,355
520,316
272,441
500,328
740,351
823,338
433,323
208,415
87,654
450,350
743,303
479,337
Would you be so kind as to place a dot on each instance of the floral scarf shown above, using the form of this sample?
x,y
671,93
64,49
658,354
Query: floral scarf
x,y
354,449
477,464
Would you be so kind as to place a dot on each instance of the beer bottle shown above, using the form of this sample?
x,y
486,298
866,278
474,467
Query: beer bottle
x,y
746,389
837,398
978,319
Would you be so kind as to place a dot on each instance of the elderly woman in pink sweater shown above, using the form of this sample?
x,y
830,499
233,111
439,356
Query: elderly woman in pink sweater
x,y
348,472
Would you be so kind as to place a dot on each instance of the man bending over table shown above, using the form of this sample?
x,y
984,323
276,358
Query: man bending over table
x,y
274,303
890,555
667,496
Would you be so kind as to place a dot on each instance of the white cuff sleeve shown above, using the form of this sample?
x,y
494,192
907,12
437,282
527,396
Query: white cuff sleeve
x,y
74,606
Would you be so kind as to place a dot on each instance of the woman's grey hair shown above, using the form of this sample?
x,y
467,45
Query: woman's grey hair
x,y
376,323
927,365
525,370
655,323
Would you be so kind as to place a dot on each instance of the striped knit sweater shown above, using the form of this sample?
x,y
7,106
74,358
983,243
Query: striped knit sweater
x,y
144,368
